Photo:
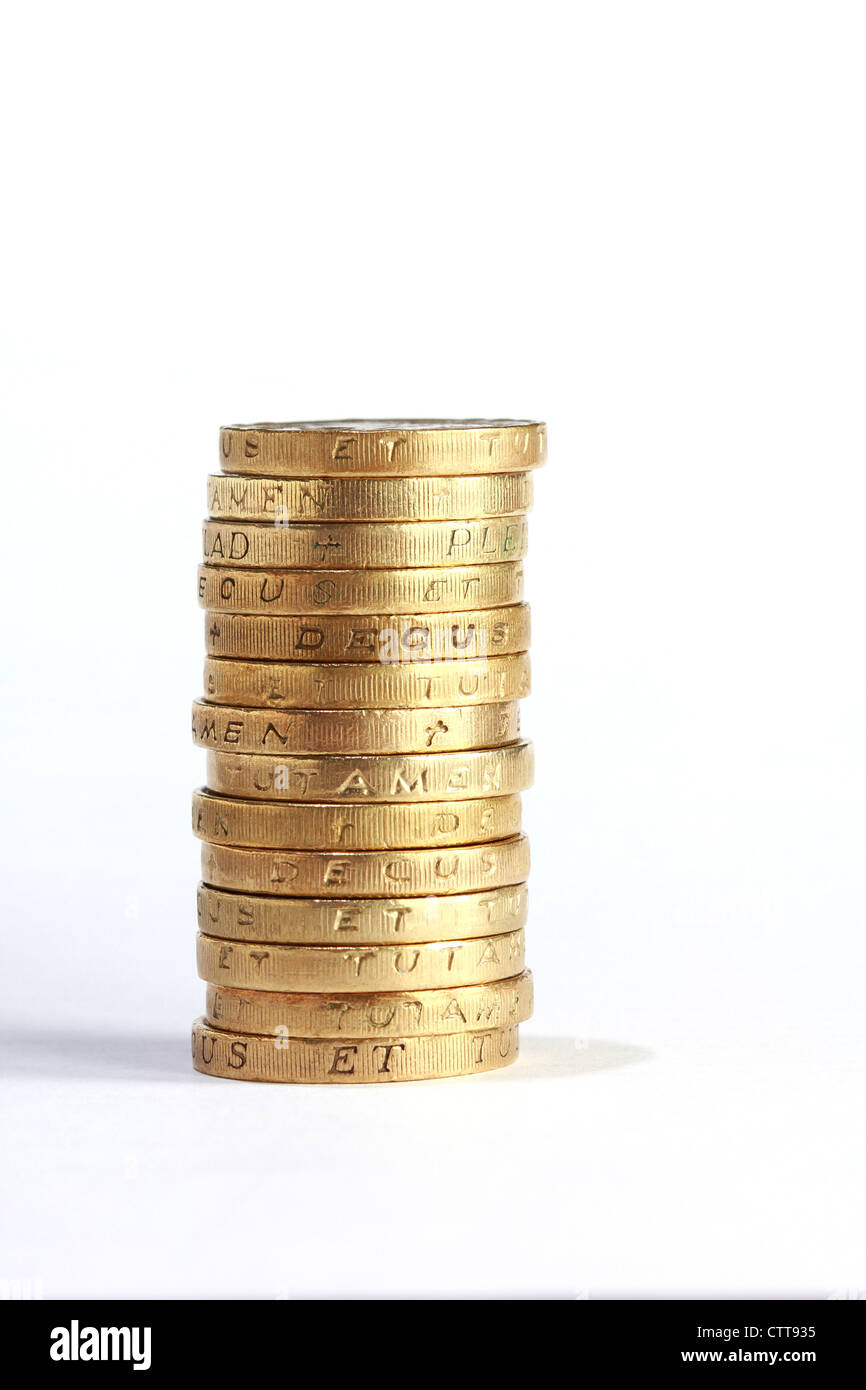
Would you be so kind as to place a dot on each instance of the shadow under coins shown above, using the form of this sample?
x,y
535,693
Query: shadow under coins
x,y
76,1055
545,1057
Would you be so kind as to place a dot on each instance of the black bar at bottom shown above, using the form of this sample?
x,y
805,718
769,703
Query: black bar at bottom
x,y
251,1338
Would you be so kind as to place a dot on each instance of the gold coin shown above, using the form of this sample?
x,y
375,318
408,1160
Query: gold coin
x,y
383,448
280,500
386,638
312,825
367,873
365,544
380,777
249,1057
359,591
359,969
353,921
238,729
367,685
464,1009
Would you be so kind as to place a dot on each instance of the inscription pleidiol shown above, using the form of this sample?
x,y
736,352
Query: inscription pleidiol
x,y
349,545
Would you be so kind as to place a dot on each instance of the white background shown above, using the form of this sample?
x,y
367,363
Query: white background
x,y
645,224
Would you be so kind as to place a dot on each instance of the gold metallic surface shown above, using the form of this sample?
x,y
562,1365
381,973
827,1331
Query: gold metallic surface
x,y
281,500
360,969
249,1057
235,728
366,685
387,638
460,1009
354,921
368,873
299,591
373,777
365,544
383,448
313,825
364,898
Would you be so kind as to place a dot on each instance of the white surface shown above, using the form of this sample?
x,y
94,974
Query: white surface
x,y
646,225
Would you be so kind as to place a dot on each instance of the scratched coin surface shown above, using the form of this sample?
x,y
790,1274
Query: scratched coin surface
x,y
365,544
459,1009
386,638
366,685
367,873
280,500
298,591
353,921
249,1057
360,969
383,448
463,776
314,825
235,728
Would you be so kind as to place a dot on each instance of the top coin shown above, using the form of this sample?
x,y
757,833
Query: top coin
x,y
383,448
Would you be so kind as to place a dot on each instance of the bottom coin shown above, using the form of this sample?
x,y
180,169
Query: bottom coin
x,y
252,1057
466,1009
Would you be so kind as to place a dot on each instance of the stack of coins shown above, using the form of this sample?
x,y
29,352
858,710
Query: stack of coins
x,y
364,873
